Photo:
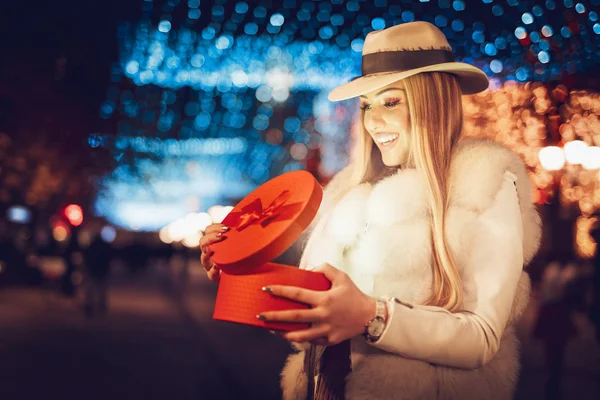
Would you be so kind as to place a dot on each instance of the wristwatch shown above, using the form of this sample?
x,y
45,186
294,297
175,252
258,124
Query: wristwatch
x,y
375,327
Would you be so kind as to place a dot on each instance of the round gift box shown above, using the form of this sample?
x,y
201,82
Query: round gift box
x,y
241,298
262,226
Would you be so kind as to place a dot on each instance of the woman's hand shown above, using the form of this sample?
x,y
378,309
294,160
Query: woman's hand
x,y
336,314
212,234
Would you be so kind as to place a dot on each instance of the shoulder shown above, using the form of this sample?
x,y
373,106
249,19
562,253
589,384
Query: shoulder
x,y
478,170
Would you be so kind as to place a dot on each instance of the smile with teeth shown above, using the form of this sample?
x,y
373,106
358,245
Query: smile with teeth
x,y
386,138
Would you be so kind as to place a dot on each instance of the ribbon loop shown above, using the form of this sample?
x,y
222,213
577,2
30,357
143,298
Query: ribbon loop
x,y
256,214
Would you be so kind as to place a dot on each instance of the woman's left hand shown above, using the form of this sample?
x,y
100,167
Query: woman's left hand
x,y
335,315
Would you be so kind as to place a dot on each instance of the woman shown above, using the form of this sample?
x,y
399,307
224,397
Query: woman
x,y
423,237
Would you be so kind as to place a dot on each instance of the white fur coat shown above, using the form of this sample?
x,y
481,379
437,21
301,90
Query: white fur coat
x,y
379,235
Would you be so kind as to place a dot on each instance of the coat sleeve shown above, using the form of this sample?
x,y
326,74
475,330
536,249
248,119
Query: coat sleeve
x,y
469,338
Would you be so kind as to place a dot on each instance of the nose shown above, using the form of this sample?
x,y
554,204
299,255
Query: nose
x,y
374,121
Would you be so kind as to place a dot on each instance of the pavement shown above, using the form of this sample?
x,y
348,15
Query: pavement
x,y
158,341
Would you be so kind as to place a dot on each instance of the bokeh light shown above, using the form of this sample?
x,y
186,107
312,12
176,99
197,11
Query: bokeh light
x,y
239,92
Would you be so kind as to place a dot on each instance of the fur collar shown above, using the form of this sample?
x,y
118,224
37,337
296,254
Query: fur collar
x,y
476,172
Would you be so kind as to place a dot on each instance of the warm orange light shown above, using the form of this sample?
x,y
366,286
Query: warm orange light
x,y
60,233
74,214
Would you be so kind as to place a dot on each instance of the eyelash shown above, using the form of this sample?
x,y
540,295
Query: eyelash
x,y
389,104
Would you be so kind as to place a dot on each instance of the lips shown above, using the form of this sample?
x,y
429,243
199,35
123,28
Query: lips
x,y
385,139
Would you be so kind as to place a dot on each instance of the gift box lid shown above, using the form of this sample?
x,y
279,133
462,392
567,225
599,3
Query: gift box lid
x,y
267,222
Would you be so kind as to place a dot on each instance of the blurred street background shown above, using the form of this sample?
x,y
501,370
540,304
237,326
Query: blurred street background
x,y
128,126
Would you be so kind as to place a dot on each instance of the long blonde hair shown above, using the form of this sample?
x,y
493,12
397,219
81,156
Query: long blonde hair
x,y
435,108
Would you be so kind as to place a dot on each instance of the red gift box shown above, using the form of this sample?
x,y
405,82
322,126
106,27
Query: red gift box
x,y
262,226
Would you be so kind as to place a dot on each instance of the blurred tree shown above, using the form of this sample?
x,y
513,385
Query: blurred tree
x,y
44,157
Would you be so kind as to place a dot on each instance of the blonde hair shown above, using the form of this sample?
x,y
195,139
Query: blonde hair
x,y
435,108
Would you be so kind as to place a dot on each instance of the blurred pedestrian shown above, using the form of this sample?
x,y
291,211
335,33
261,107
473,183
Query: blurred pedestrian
x,y
97,264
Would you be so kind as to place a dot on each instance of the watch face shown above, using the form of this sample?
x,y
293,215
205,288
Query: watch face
x,y
376,327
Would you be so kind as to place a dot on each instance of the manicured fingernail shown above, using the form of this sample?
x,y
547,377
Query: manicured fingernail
x,y
224,228
267,289
261,317
219,234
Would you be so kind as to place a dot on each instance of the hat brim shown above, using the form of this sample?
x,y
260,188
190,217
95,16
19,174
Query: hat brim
x,y
470,79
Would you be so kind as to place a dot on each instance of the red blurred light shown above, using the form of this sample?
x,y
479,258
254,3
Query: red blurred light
x,y
74,214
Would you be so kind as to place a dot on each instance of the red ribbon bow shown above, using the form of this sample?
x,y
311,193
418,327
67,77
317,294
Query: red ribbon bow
x,y
254,213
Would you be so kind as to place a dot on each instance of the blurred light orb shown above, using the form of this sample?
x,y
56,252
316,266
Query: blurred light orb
x,y
497,10
108,233
458,5
240,8
441,21
496,66
60,233
298,151
281,94
378,23
552,158
457,25
74,214
575,151
544,57
164,26
547,31
199,221
527,18
216,214
277,19
132,67
591,158
520,33
408,16
18,214
191,241
164,235
177,230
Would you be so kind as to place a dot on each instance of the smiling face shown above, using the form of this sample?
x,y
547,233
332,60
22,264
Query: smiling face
x,y
387,120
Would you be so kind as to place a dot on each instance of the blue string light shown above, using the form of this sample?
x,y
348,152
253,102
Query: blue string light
x,y
222,70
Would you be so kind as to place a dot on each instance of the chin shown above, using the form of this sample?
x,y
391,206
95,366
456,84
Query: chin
x,y
393,164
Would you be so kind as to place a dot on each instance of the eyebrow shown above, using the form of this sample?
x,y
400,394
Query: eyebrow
x,y
382,92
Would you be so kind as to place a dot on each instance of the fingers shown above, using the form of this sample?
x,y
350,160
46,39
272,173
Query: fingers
x,y
330,272
214,274
209,238
320,332
206,262
310,316
212,234
306,296
216,228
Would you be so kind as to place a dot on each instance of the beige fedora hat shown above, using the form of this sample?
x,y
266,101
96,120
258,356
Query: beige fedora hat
x,y
404,50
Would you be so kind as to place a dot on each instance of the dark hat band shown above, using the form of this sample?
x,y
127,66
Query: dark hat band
x,y
403,60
